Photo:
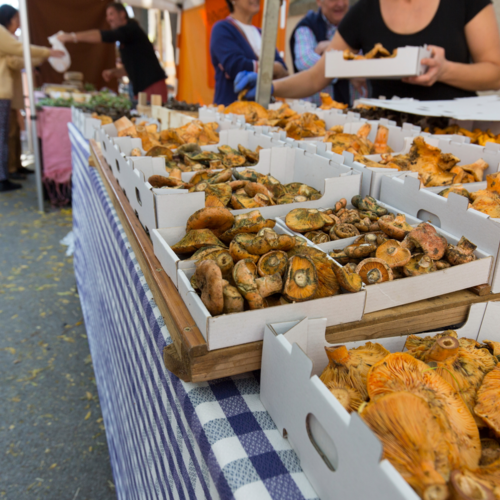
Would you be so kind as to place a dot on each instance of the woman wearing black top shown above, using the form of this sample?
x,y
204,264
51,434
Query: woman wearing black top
x,y
462,34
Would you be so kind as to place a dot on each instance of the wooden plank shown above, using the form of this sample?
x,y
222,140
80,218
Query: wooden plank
x,y
188,356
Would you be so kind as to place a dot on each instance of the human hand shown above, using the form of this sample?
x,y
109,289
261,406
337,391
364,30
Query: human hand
x,y
321,47
65,37
107,75
56,53
436,66
246,80
360,86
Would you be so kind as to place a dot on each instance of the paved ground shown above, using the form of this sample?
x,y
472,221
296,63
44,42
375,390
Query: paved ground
x,y
52,438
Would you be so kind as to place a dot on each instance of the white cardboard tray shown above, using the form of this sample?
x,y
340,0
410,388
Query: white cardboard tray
x,y
84,122
482,111
240,328
322,433
159,208
406,63
452,217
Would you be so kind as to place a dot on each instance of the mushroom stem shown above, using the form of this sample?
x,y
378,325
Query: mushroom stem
x,y
436,492
444,348
464,487
338,354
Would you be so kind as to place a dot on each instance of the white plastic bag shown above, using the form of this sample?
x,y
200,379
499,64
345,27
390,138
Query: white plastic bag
x,y
60,64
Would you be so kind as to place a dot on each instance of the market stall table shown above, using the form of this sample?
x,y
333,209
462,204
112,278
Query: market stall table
x,y
167,438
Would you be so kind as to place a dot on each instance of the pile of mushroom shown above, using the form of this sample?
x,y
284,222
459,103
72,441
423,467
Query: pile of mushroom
x,y
243,263
398,250
434,407
237,189
338,222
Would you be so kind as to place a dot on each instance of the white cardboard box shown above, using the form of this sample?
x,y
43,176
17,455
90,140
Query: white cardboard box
x,y
452,217
164,238
84,122
173,207
481,111
406,63
240,328
322,433
170,118
412,289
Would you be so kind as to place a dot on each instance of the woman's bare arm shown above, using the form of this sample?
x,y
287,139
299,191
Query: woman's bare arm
x,y
307,83
484,45
90,36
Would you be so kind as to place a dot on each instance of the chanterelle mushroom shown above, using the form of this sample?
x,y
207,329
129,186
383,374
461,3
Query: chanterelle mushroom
x,y
426,237
209,281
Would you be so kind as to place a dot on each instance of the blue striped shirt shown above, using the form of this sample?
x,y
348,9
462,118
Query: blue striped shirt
x,y
305,57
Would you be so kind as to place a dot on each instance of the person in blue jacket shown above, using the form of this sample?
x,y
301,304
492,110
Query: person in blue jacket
x,y
235,46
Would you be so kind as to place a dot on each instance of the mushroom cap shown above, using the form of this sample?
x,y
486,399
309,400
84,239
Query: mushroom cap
x,y
488,400
426,237
456,255
374,271
402,372
360,251
195,239
247,225
393,254
238,250
346,395
411,439
419,264
222,258
397,228
344,231
317,237
327,281
209,281
302,220
272,262
217,219
349,281
301,279
244,276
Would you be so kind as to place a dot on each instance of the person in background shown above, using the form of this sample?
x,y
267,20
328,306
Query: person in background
x,y
9,18
462,36
235,46
137,53
9,46
311,37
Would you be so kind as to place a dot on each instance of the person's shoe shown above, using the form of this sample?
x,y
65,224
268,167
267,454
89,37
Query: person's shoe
x,y
25,171
17,176
8,186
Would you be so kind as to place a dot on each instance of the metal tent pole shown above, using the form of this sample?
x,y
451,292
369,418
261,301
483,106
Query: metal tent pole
x,y
25,34
266,61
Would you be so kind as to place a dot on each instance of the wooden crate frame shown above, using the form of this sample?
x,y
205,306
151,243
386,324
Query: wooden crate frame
x,y
188,356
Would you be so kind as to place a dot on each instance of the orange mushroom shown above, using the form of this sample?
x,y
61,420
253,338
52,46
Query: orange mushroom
x,y
373,271
218,220
393,254
301,279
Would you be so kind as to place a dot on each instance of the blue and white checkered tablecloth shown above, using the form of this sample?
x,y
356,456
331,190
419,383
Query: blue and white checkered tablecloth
x,y
167,438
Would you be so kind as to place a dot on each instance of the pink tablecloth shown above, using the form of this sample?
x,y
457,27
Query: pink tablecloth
x,y
56,146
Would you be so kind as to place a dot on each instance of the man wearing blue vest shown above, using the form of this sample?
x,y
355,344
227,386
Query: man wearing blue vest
x,y
310,39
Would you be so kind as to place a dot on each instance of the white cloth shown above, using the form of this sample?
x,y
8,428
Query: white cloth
x,y
60,64
253,36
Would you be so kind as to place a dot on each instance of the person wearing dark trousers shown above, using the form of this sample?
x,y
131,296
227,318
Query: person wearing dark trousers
x,y
9,46
311,37
137,53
